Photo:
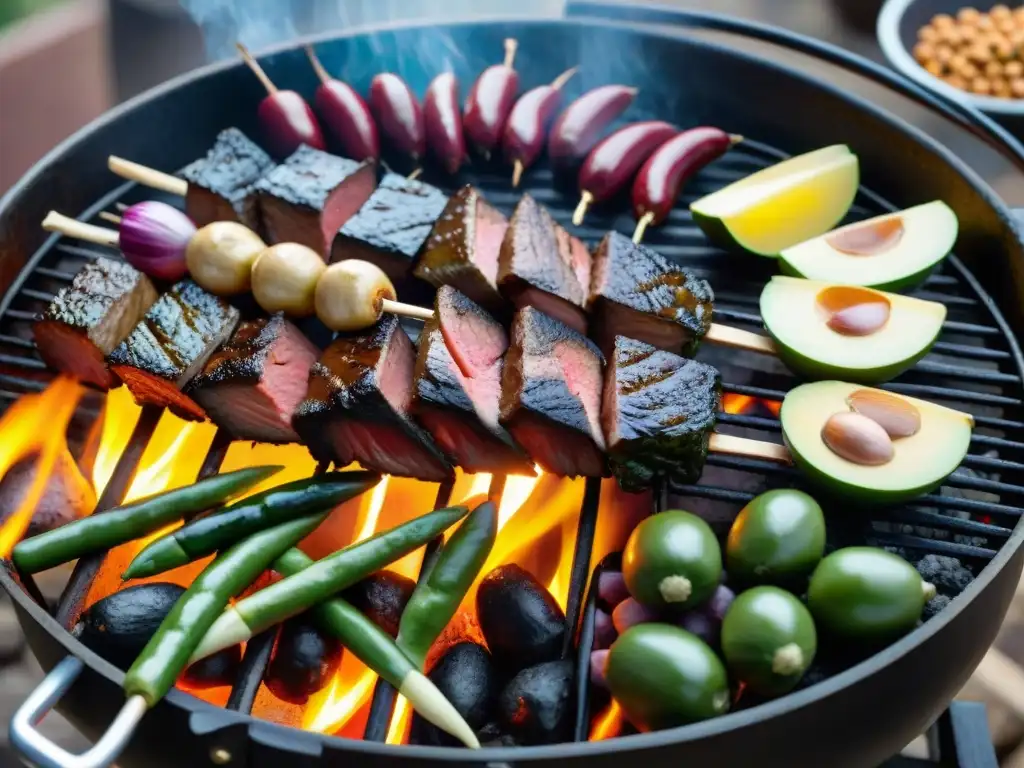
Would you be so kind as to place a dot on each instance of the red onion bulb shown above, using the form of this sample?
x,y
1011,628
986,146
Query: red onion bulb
x,y
153,237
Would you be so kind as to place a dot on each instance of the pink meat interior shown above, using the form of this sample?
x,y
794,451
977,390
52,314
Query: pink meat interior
x,y
343,202
490,231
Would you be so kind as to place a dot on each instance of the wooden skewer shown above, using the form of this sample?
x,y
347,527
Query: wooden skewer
x,y
148,177
511,45
65,225
751,449
317,65
113,218
256,68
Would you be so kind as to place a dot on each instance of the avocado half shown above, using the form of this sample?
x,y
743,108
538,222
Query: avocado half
x,y
782,205
892,252
796,319
919,464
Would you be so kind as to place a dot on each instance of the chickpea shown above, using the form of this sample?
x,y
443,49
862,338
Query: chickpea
x,y
1000,12
1006,26
981,86
993,69
968,35
968,71
924,52
933,68
985,23
1004,49
1001,88
978,53
956,81
1017,87
943,54
945,20
928,34
1014,69
951,37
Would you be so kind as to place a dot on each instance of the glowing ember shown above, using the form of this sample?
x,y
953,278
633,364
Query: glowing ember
x,y
35,423
607,724
349,690
398,729
733,403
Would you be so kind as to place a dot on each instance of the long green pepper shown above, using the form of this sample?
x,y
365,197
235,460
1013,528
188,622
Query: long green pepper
x,y
165,656
104,530
209,534
375,648
295,594
440,591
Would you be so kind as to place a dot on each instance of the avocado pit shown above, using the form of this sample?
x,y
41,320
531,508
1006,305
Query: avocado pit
x,y
853,311
895,415
869,238
857,438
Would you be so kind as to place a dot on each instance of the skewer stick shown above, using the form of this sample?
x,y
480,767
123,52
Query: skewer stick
x,y
564,78
641,226
417,172
586,198
406,310
58,222
751,449
510,51
256,68
148,177
517,172
318,67
737,338
113,218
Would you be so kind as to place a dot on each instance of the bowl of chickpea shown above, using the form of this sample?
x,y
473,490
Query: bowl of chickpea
x,y
971,54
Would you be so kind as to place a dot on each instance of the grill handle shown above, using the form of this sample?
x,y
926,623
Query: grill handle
x,y
967,117
37,750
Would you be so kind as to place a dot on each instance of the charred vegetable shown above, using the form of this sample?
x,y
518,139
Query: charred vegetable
x,y
867,594
215,671
490,101
303,662
777,538
663,676
398,114
580,125
672,559
443,122
768,640
522,623
345,114
465,674
536,705
153,237
528,123
382,597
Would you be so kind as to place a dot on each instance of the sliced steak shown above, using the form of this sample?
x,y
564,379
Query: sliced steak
x,y
307,198
532,272
551,395
90,317
357,406
458,402
219,183
462,250
638,293
252,385
170,346
658,412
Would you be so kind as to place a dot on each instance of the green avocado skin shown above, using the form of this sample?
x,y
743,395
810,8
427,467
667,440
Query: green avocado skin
x,y
759,622
812,370
719,234
866,593
895,286
777,538
672,543
663,676
849,491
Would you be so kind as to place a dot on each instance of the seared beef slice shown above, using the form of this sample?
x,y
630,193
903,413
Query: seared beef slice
x,y
252,385
89,318
311,195
638,293
357,406
219,183
535,266
551,395
457,389
658,413
462,250
390,229
170,346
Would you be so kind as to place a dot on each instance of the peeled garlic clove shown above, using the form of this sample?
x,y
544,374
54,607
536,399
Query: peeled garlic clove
x,y
349,293
857,438
895,415
220,257
284,278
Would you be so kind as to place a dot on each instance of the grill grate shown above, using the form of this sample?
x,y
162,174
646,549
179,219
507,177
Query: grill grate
x,y
972,367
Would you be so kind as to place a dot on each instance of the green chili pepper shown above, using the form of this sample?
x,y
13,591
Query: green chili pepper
x,y
295,594
375,648
440,591
104,530
214,532
167,653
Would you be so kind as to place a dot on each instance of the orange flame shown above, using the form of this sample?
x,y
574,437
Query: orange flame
x,y
733,403
607,724
398,729
35,423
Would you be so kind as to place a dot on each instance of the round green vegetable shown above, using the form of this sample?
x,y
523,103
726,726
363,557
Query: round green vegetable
x,y
663,676
768,640
867,593
672,558
776,539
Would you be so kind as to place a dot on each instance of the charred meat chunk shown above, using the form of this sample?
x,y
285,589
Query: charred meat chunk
x,y
357,406
462,250
391,228
551,395
536,269
457,390
90,317
252,385
170,346
219,183
638,293
307,198
659,411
